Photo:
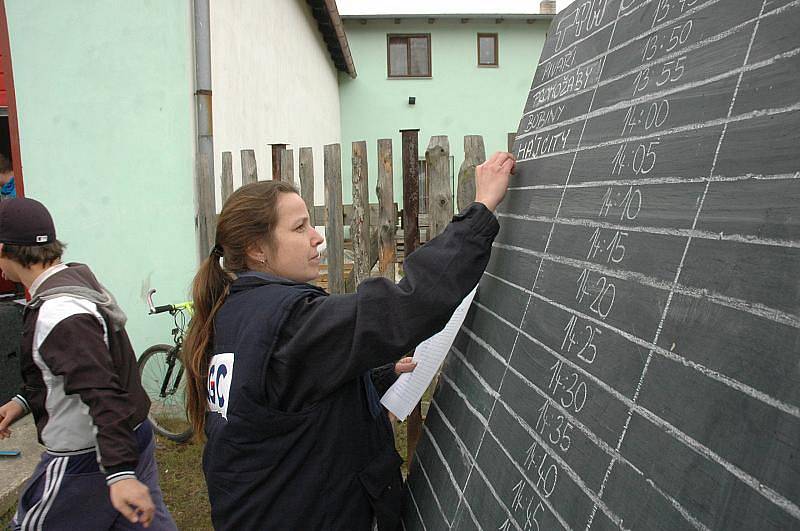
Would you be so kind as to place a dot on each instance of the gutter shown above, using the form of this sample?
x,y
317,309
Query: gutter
x,y
204,171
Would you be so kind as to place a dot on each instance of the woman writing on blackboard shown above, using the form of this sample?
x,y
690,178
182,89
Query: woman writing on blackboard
x,y
279,371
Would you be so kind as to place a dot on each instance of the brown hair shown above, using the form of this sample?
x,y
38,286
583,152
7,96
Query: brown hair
x,y
28,255
248,216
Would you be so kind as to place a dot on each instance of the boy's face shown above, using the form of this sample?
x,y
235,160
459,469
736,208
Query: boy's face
x,y
9,267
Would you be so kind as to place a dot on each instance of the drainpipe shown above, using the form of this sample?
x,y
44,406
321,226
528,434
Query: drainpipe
x,y
205,218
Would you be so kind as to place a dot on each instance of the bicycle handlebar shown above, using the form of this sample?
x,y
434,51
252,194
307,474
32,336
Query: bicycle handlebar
x,y
152,309
156,309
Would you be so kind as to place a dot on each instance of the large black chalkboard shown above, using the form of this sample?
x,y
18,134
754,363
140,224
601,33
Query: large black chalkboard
x,y
632,359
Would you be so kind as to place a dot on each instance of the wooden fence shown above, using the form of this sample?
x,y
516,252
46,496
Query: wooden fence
x,y
375,235
374,228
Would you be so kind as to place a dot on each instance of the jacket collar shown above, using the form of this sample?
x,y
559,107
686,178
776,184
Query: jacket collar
x,y
255,279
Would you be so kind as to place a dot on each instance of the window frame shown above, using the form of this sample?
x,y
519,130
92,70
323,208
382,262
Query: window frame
x,y
496,62
407,37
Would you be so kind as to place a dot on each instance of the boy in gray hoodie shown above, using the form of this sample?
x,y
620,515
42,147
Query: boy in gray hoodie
x,y
83,388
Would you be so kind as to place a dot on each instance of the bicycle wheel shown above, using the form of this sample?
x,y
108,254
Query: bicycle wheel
x,y
165,384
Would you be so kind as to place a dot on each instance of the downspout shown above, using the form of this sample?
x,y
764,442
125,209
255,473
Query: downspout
x,y
204,178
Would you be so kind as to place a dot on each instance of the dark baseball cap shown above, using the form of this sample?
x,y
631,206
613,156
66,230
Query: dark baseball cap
x,y
25,221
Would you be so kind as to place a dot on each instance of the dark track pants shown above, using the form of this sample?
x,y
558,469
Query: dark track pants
x,y
70,492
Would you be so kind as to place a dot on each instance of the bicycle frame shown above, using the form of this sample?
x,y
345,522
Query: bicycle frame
x,y
177,311
173,354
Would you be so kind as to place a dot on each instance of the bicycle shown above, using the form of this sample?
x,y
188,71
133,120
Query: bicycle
x,y
161,371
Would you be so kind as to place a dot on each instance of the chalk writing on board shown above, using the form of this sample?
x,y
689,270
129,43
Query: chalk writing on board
x,y
631,357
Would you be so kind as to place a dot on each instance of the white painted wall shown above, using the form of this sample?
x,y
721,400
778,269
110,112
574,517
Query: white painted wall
x,y
272,81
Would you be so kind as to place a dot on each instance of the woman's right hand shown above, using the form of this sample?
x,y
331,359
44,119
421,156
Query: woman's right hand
x,y
491,179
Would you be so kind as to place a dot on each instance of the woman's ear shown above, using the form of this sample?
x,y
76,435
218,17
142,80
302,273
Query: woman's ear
x,y
256,253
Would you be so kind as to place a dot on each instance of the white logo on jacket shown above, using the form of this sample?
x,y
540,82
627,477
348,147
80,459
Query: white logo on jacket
x,y
218,386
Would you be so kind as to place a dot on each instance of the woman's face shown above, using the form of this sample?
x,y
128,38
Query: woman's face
x,y
293,253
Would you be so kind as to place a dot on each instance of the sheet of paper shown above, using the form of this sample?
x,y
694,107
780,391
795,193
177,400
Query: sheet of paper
x,y
407,391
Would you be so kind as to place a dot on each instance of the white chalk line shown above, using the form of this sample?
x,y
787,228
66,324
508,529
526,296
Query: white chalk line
x,y
513,461
419,514
589,434
757,309
652,181
672,55
685,128
448,470
620,14
675,283
536,278
475,465
661,231
433,492
600,443
654,419
654,29
656,95
752,392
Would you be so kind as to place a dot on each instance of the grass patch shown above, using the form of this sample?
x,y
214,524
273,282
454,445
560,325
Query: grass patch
x,y
5,518
182,482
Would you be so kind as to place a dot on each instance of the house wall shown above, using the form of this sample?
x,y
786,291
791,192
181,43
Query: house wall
x,y
273,82
460,99
106,119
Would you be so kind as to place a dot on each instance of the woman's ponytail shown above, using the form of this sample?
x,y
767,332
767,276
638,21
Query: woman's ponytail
x,y
248,216
209,289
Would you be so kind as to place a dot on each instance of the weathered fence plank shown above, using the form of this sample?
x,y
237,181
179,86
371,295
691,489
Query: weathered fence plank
x,y
387,216
205,220
359,225
307,182
226,179
287,166
350,280
474,154
411,241
249,169
410,148
334,232
277,151
440,209
347,213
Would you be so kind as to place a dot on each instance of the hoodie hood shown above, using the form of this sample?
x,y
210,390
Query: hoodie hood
x,y
77,280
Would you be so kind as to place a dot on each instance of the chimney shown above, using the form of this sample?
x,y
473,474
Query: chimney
x,y
547,7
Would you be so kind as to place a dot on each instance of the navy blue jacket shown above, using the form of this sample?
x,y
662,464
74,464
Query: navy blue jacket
x,y
296,436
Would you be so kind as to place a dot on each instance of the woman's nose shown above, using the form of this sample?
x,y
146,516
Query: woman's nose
x,y
316,238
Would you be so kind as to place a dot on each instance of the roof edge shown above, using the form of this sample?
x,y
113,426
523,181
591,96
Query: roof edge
x,y
512,16
331,28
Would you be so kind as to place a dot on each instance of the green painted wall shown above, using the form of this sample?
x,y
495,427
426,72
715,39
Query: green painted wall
x,y
460,99
106,119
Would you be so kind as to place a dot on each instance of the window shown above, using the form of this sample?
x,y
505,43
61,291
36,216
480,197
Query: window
x,y
487,49
409,55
